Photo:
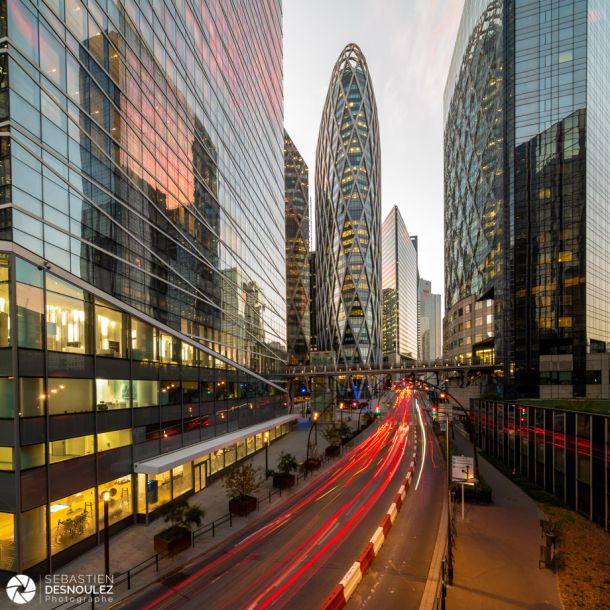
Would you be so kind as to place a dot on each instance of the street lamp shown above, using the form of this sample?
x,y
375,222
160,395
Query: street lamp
x,y
106,498
314,418
341,411
266,439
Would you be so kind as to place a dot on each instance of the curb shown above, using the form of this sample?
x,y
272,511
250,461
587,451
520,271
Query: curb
x,y
341,593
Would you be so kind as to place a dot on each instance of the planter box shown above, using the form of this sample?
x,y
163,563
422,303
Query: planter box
x,y
242,506
172,541
332,451
283,480
312,464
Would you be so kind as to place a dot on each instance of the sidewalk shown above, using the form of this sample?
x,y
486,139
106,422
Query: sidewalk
x,y
135,544
496,550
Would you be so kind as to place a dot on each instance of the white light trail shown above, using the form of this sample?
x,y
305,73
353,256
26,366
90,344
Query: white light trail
x,y
423,433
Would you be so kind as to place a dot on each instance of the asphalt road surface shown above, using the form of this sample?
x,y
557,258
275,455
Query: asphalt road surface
x,y
294,555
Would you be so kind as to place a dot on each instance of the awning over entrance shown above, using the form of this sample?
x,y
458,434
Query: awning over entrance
x,y
164,462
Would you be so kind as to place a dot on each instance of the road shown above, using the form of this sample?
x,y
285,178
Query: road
x,y
397,577
277,561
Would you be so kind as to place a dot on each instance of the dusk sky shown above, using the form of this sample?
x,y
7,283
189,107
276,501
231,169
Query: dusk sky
x,y
408,46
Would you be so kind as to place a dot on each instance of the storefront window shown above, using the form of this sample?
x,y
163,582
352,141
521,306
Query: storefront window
x,y
141,493
143,341
70,448
70,395
5,299
250,445
145,393
183,479
229,455
112,394
217,461
168,348
114,439
30,304
72,519
32,456
33,536
31,396
6,458
119,502
66,319
6,397
158,489
7,542
241,450
108,332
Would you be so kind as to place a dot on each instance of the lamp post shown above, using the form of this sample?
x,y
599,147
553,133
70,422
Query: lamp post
x,y
314,418
341,411
106,498
266,439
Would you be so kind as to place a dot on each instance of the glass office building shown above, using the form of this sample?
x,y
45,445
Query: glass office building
x,y
430,329
399,280
142,259
297,253
526,183
348,211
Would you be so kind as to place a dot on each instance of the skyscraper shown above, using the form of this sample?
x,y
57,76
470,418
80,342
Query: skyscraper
x,y
400,290
296,179
527,145
430,322
348,209
142,267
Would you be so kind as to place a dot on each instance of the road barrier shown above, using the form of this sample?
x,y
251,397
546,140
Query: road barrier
x,y
341,593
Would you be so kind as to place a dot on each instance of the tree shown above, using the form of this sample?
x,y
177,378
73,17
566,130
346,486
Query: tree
x,y
180,513
241,480
287,463
335,433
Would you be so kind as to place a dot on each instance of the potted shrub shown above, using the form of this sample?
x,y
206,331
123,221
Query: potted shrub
x,y
240,482
286,465
183,517
332,434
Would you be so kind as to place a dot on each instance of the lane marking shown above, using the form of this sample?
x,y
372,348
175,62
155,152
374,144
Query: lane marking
x,y
423,457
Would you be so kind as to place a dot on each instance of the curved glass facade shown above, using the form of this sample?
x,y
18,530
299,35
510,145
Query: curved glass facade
x,y
297,254
348,210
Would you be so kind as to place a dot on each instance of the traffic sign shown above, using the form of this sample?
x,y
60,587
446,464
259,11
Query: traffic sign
x,y
462,469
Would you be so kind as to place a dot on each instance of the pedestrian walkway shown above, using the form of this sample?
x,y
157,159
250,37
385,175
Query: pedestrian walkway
x,y
135,544
497,548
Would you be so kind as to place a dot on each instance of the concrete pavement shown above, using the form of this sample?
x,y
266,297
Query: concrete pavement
x,y
496,550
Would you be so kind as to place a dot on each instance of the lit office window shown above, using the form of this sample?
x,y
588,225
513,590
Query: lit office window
x,y
114,439
119,500
108,332
143,341
112,394
69,395
70,448
7,542
66,318
33,536
72,519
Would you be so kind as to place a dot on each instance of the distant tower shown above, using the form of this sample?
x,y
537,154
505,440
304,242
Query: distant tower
x,y
348,200
296,194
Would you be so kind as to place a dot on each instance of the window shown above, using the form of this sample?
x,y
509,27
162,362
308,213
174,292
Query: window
x,y
72,519
6,458
109,332
31,396
5,326
7,542
119,502
6,397
158,489
145,393
169,393
29,305
70,395
168,348
70,448
33,536
594,377
182,479
32,456
112,394
114,439
143,341
66,319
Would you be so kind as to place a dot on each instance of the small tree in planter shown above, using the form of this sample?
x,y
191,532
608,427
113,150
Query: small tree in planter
x,y
286,465
240,482
183,517
332,434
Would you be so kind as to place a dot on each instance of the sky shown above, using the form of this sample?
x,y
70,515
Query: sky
x,y
408,46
